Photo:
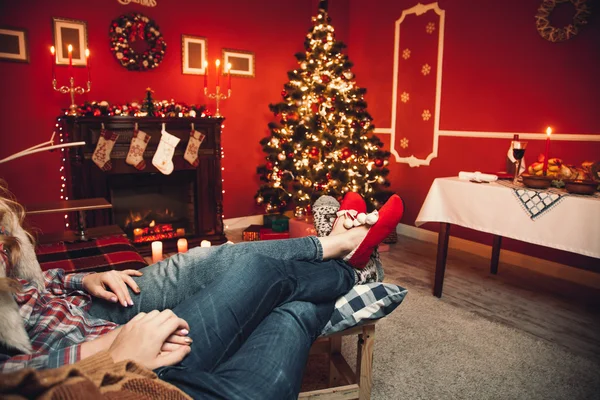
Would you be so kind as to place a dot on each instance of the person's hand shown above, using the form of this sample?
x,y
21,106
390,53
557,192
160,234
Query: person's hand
x,y
142,338
112,285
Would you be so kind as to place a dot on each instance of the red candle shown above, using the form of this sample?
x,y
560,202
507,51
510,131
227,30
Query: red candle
x,y
547,152
205,73
52,55
218,68
229,76
70,60
87,64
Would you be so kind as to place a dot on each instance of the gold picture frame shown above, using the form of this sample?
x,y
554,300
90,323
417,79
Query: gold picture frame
x,y
194,55
70,32
13,44
242,62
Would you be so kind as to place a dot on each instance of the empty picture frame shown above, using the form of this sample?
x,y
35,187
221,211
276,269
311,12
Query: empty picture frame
x,y
193,55
242,62
13,45
70,32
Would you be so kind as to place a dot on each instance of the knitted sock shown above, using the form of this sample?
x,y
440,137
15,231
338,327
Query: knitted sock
x,y
324,210
101,156
163,158
135,156
191,151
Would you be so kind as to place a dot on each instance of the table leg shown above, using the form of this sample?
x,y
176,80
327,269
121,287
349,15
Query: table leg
x,y
496,245
442,252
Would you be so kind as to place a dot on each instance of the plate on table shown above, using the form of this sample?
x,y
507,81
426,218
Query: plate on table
x,y
581,187
536,182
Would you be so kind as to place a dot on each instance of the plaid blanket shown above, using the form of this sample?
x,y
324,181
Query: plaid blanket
x,y
113,252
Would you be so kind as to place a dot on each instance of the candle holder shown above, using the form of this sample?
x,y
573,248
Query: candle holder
x,y
218,96
72,89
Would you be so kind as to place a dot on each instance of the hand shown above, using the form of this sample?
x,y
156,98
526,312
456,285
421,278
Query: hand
x,y
112,285
142,338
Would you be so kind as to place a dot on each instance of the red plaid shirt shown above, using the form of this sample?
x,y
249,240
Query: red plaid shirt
x,y
56,320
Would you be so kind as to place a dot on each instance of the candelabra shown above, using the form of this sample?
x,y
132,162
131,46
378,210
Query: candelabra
x,y
72,89
218,96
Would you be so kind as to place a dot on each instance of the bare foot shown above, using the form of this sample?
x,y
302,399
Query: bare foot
x,y
340,244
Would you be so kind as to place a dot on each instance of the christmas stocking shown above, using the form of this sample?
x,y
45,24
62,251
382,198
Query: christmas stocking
x,y
191,151
163,158
101,155
135,156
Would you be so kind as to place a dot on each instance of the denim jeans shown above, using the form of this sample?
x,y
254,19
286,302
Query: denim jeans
x,y
254,310
253,327
167,283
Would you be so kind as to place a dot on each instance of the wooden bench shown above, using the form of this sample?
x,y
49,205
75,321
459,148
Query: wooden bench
x,y
345,384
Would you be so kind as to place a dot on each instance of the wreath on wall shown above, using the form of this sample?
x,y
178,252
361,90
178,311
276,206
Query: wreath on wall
x,y
554,34
143,34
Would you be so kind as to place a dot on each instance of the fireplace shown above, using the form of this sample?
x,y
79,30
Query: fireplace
x,y
148,205
152,207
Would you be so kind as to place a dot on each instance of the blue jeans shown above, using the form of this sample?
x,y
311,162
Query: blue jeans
x,y
253,317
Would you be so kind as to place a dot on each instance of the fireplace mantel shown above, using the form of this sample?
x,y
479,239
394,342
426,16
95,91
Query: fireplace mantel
x,y
86,180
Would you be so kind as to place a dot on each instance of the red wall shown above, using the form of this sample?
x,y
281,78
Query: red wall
x,y
499,75
273,29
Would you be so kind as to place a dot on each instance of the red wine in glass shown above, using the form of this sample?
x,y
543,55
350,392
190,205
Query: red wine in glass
x,y
518,153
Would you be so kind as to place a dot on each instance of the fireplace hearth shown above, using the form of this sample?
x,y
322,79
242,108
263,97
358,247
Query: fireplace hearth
x,y
148,205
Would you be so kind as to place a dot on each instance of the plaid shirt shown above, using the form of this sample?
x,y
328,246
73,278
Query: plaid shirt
x,y
56,320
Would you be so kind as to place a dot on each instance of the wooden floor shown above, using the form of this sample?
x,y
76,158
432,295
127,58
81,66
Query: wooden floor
x,y
551,309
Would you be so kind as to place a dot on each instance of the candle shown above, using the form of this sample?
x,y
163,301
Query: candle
x,y
157,254
182,245
87,64
205,73
52,54
218,67
70,48
547,152
137,232
205,243
229,76
180,231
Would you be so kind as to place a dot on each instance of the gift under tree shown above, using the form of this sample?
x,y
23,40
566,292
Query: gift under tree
x,y
322,141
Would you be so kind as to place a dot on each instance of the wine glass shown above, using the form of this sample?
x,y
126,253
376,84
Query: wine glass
x,y
518,148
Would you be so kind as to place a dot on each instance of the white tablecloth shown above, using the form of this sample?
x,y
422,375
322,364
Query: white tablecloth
x,y
572,225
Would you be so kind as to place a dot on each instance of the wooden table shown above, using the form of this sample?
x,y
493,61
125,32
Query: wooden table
x,y
571,223
79,206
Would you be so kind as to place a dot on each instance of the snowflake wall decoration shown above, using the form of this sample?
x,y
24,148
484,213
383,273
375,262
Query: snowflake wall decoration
x,y
406,54
430,28
426,115
426,69
405,97
404,143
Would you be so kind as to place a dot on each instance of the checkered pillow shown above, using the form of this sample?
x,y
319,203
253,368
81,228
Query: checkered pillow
x,y
364,303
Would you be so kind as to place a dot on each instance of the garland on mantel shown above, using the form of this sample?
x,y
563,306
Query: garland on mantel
x,y
161,109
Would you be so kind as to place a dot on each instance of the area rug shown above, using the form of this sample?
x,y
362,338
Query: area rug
x,y
428,349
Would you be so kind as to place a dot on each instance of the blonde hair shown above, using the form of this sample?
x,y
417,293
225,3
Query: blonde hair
x,y
11,213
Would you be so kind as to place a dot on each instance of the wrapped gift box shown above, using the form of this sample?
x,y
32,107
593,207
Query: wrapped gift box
x,y
252,233
270,234
277,222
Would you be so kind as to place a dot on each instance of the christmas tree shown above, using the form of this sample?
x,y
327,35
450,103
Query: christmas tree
x,y
148,105
322,141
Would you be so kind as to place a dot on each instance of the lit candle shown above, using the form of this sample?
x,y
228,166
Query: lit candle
x,y
182,245
205,73
70,48
137,232
52,53
87,64
229,76
547,152
205,243
157,252
218,68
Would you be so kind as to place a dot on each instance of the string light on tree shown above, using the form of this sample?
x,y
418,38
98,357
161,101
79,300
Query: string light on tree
x,y
322,133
